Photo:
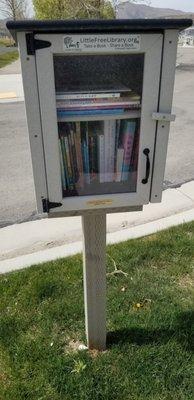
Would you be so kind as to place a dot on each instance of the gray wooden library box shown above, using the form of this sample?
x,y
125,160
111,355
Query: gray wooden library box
x,y
98,100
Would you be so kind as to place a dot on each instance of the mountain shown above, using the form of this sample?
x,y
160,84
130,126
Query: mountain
x,y
2,23
130,10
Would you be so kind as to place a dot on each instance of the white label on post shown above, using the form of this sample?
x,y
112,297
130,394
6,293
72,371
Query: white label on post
x,y
101,43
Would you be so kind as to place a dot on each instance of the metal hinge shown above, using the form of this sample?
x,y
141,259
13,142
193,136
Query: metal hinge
x,y
33,44
47,205
163,117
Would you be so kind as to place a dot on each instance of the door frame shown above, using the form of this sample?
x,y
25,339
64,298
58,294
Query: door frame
x,y
151,47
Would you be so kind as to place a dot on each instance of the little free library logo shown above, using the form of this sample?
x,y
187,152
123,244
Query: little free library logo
x,y
101,42
70,43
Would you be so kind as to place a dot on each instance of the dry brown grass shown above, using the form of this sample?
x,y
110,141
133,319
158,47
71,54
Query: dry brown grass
x,y
6,42
186,282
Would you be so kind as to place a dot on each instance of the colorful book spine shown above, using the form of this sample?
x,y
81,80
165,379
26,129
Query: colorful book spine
x,y
86,162
135,153
63,180
69,166
106,149
71,113
96,106
101,158
85,152
117,137
112,150
80,96
62,133
109,132
73,152
77,139
65,160
70,154
129,128
119,165
126,98
134,158
92,157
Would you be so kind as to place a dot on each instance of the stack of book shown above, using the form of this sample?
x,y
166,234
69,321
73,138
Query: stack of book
x,y
93,153
98,103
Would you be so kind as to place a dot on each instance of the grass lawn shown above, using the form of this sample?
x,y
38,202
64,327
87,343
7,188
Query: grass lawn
x,y
150,322
7,58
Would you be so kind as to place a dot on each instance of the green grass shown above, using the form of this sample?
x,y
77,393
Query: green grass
x,y
8,58
150,348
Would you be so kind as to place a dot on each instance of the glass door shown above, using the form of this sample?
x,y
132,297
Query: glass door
x,y
98,102
96,114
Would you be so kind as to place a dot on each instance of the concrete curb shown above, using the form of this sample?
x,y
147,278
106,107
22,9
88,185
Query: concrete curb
x,y
76,247
35,236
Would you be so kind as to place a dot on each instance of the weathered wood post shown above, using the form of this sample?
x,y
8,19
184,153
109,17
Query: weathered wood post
x,y
94,269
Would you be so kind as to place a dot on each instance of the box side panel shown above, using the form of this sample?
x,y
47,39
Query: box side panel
x,y
165,106
29,77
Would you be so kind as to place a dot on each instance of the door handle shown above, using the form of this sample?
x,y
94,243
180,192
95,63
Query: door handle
x,y
146,152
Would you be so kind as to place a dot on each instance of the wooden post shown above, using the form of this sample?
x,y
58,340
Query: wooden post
x,y
94,269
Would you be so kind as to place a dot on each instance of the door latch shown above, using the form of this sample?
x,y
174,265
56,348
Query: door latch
x,y
163,117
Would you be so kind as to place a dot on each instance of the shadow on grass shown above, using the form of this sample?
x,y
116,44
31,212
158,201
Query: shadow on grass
x,y
182,332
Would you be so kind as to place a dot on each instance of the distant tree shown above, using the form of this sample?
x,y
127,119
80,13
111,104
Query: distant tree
x,y
73,9
14,9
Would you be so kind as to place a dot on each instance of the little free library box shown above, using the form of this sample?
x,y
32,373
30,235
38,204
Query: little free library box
x,y
98,100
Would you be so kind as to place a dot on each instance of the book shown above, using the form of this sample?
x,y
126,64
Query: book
x,y
134,157
101,158
94,107
92,158
62,133
135,152
117,136
85,152
106,149
77,139
73,156
71,113
100,95
128,133
93,154
96,103
86,162
62,166
69,166
112,150
119,164
109,133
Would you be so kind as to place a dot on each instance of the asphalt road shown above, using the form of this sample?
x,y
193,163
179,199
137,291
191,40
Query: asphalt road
x,y
16,182
180,156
